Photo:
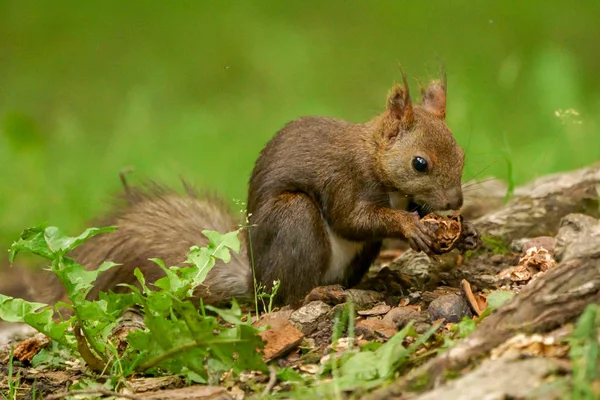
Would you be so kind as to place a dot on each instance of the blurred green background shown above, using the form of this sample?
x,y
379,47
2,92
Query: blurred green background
x,y
196,88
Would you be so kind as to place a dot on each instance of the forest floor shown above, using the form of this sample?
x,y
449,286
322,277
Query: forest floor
x,y
517,318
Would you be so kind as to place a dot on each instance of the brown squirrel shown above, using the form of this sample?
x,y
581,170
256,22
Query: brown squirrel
x,y
323,195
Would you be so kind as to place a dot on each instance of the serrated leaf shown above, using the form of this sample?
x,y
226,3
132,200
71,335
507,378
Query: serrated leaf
x,y
233,315
77,280
141,279
220,244
383,362
203,262
36,315
171,283
43,322
14,309
60,243
31,240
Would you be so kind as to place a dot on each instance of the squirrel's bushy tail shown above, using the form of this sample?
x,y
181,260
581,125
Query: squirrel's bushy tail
x,y
155,222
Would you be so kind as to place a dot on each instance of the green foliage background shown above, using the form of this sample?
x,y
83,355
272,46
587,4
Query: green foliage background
x,y
196,88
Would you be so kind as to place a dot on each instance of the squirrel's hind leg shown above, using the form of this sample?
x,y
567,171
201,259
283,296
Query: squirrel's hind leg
x,y
290,244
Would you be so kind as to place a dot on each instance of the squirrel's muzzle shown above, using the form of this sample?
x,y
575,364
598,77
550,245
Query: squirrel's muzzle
x,y
454,199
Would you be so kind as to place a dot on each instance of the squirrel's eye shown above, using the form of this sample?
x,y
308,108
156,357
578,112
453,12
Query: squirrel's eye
x,y
419,164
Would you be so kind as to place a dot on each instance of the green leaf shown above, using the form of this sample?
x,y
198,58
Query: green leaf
x,y
59,243
465,327
225,241
363,366
191,376
32,240
77,280
36,315
141,279
54,357
203,262
498,298
290,375
172,283
14,310
43,322
393,351
233,315
374,366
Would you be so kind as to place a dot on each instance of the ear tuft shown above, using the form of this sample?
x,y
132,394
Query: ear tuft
x,y
399,105
434,97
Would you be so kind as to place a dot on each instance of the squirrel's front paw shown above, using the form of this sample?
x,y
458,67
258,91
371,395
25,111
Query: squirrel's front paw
x,y
419,236
470,238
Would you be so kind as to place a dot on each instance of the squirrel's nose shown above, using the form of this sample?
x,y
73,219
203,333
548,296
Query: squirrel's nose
x,y
455,200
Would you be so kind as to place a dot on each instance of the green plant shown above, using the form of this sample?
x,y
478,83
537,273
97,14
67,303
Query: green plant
x,y
12,381
361,369
495,244
585,355
262,294
179,337
260,291
467,325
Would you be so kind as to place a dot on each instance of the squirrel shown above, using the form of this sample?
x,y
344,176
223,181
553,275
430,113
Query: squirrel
x,y
323,195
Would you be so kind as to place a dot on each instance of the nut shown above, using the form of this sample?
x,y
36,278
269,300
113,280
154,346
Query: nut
x,y
447,230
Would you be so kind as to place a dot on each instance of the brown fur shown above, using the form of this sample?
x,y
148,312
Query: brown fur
x,y
322,173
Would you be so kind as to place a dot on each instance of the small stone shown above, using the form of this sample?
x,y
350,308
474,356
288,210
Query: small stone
x,y
578,236
497,259
400,316
375,328
363,299
516,245
540,242
308,317
415,267
378,309
451,307
330,294
421,327
416,295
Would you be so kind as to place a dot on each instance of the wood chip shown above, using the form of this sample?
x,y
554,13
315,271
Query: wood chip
x,y
280,339
379,309
27,349
196,392
466,287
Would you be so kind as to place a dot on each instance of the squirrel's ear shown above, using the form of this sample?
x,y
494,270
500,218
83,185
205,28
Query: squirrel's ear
x,y
434,98
399,106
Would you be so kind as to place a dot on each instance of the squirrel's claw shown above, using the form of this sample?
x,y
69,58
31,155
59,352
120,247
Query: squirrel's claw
x,y
421,238
471,239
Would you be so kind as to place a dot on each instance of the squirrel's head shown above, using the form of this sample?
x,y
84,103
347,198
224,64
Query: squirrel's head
x,y
418,155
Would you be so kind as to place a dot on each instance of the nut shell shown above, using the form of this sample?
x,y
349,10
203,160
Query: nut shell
x,y
447,231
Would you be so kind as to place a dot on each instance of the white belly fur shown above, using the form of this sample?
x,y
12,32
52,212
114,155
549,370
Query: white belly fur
x,y
342,253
